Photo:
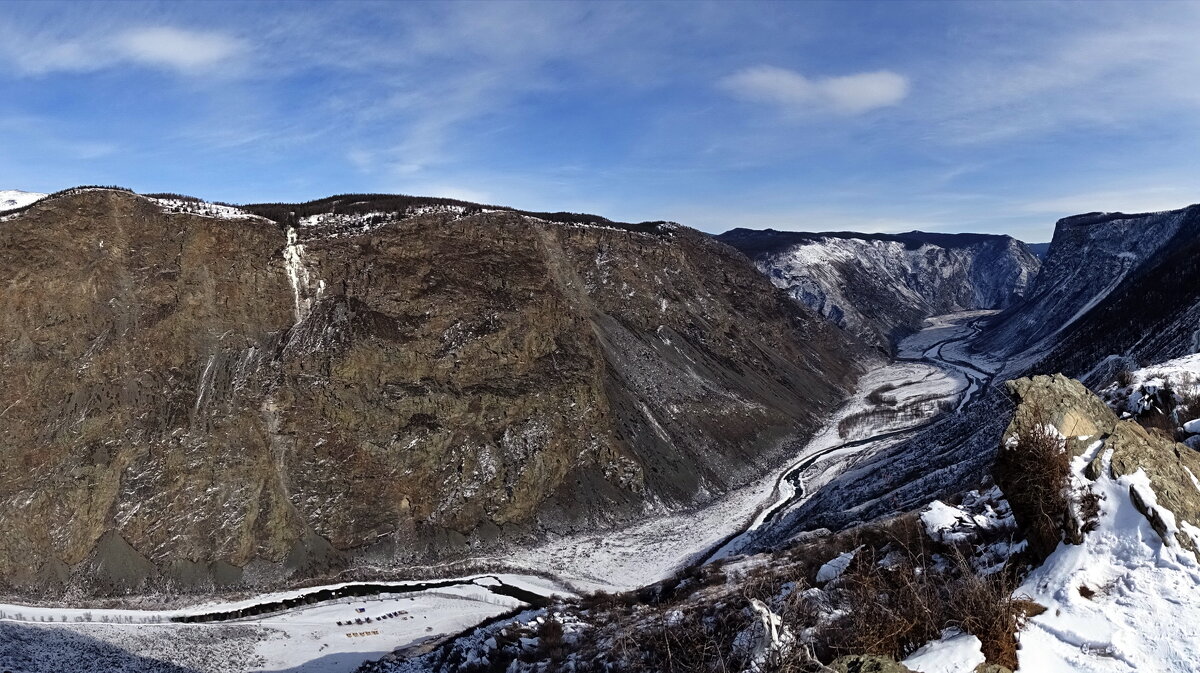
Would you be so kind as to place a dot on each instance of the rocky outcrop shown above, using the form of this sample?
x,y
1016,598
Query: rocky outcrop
x,y
1171,466
1064,403
198,396
1082,419
883,286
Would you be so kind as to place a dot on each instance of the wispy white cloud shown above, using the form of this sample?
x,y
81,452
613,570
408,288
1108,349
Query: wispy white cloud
x,y
166,47
1136,200
796,93
177,48
1069,69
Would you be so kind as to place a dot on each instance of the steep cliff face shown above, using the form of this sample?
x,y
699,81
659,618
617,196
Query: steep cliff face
x,y
196,395
1093,260
1151,314
884,286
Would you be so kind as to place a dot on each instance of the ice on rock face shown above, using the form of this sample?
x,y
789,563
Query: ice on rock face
x,y
302,287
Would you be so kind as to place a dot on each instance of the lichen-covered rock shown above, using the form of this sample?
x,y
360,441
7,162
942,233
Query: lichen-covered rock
x,y
213,400
868,663
1171,466
1068,406
1080,416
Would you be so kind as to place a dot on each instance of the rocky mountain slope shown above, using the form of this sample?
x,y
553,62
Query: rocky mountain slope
x,y
1114,290
1151,315
1109,259
198,395
952,586
883,286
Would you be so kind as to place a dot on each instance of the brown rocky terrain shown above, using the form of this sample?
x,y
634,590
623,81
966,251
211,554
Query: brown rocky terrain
x,y
193,400
1074,411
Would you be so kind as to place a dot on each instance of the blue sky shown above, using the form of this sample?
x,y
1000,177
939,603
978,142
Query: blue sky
x,y
891,116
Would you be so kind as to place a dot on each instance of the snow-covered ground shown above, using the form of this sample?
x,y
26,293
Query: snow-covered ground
x,y
1143,613
954,652
1181,375
307,639
15,198
652,550
204,209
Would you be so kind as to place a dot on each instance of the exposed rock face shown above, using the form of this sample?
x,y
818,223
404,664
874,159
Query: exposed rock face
x,y
1064,403
1152,315
883,286
193,400
1093,260
1080,416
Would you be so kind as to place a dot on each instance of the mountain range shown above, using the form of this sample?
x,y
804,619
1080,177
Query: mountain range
x,y
658,449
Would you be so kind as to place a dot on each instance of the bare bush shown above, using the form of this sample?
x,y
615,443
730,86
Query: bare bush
x,y
1125,377
891,610
1035,474
985,607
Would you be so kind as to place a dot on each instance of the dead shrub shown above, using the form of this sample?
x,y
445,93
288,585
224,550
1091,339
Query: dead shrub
x,y
1089,510
984,606
891,610
1125,377
1035,475
550,640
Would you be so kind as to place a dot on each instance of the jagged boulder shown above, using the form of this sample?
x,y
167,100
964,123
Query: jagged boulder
x,y
1064,403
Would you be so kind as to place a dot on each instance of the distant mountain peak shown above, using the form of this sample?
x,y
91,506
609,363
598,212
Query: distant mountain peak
x,y
15,198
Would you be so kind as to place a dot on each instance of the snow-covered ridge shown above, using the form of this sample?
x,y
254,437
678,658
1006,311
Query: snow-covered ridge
x,y
202,208
12,200
15,198
335,225
883,287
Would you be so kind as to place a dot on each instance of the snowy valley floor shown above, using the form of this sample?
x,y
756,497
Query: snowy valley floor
x,y
308,639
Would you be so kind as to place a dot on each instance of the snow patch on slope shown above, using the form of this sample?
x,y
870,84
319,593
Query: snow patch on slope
x,y
15,198
203,209
954,652
1123,600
